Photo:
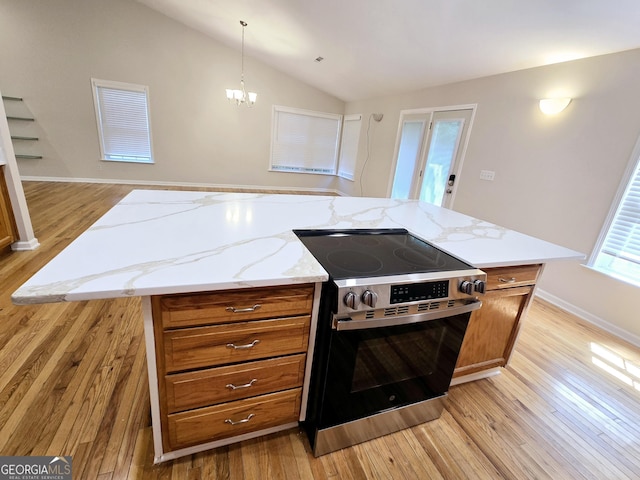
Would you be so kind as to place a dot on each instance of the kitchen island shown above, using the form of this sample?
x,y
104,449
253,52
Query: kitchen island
x,y
172,248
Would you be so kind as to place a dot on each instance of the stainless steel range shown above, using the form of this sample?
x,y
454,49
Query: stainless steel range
x,y
392,318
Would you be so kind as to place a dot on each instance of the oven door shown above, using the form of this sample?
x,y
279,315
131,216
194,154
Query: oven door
x,y
370,370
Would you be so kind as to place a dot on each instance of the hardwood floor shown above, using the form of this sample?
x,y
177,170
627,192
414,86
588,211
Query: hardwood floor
x,y
73,382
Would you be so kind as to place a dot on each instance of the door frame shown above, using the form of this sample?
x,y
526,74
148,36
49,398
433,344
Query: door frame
x,y
431,111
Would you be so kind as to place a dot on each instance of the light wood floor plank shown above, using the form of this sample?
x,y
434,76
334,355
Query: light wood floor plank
x,y
442,441
73,382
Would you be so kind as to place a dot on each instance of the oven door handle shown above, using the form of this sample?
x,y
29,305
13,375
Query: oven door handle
x,y
342,325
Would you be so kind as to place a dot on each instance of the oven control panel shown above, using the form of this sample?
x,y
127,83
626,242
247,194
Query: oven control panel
x,y
414,292
381,292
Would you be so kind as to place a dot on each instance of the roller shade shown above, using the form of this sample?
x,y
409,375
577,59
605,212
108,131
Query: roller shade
x,y
349,146
623,240
304,141
619,255
123,122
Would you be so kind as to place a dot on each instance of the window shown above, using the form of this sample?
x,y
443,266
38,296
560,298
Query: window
x,y
349,146
304,141
617,251
122,114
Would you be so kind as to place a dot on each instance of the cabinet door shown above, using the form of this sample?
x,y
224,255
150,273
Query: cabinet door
x,y
7,223
492,330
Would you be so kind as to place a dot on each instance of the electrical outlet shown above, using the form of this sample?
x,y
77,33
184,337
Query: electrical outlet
x,y
487,175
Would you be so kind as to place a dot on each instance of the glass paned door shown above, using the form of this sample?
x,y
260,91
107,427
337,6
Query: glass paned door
x,y
429,158
411,140
445,139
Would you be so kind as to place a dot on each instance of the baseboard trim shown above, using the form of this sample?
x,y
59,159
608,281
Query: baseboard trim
x,y
472,377
253,188
25,245
589,317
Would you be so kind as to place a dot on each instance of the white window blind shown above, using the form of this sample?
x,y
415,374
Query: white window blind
x,y
304,141
122,114
618,250
349,146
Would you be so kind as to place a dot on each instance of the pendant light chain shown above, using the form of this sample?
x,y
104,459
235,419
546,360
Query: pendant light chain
x,y
244,24
241,97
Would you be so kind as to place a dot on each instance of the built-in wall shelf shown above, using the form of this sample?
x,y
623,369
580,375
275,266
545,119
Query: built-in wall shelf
x,y
18,114
26,119
17,137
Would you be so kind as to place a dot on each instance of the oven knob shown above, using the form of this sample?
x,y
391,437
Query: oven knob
x,y
466,287
369,298
479,286
351,300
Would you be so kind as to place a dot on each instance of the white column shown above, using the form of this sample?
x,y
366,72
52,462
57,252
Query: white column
x,y
27,239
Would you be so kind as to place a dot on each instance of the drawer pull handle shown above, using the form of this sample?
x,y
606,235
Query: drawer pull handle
x,y
243,347
243,310
231,386
507,280
244,420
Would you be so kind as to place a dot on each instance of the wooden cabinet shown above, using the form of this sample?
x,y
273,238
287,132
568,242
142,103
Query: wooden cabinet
x,y
229,363
493,329
8,230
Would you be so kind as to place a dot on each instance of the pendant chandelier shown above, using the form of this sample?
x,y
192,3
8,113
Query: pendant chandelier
x,y
241,96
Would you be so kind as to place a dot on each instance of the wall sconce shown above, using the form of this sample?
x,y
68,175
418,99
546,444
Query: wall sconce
x,y
552,106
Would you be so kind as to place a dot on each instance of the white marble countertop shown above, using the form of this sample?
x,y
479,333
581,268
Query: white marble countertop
x,y
158,242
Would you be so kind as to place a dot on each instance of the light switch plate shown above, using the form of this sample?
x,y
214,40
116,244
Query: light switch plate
x,y
487,175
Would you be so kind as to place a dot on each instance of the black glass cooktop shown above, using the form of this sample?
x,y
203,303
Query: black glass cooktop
x,y
374,253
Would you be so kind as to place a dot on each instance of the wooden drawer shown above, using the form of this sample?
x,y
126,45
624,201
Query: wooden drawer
x,y
198,347
176,311
507,277
216,385
250,415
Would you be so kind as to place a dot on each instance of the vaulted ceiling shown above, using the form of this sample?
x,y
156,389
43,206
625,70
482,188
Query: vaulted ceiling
x,y
374,48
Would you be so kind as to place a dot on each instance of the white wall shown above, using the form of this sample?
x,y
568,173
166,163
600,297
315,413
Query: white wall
x,y
51,49
555,176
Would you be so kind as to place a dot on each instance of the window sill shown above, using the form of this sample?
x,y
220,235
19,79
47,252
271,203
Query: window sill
x,y
614,276
140,162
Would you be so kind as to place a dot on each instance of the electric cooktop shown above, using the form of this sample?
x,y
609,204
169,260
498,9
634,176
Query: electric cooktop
x,y
375,252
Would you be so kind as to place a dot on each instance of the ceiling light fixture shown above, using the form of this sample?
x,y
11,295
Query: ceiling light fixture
x,y
242,97
552,106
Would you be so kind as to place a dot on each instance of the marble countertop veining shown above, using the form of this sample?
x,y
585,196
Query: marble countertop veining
x,y
157,242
